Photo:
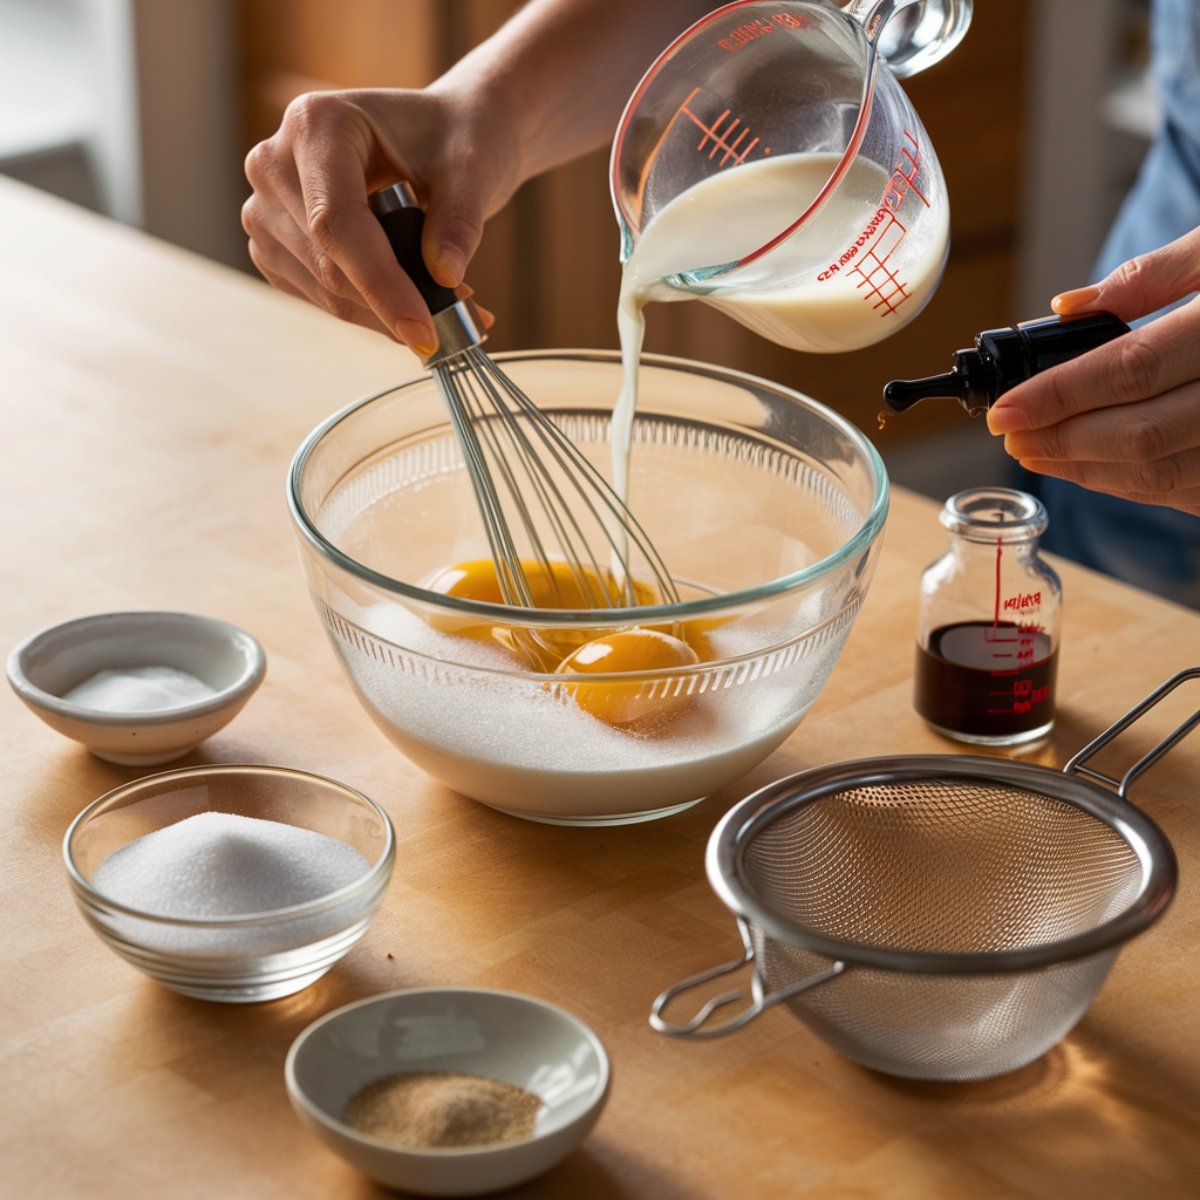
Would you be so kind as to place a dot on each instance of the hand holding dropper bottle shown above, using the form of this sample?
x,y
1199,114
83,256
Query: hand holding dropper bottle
x,y
1002,358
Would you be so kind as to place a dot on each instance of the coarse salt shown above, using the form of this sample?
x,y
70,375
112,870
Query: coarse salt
x,y
139,690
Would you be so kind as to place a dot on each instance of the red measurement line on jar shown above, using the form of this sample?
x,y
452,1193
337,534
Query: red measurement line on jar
x,y
996,608
720,133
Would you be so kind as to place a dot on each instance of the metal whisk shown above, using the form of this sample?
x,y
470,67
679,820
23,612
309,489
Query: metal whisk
x,y
531,483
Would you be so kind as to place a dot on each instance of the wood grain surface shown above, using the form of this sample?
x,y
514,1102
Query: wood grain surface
x,y
152,402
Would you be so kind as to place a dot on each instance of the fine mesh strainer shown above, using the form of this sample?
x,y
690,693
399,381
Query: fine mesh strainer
x,y
936,916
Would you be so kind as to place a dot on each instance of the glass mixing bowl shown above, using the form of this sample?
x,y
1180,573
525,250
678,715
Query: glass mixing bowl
x,y
766,506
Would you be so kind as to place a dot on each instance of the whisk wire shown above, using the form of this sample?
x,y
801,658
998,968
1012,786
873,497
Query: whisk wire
x,y
595,493
497,420
514,586
507,440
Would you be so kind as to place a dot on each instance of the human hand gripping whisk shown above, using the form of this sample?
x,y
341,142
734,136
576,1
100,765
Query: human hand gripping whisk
x,y
556,530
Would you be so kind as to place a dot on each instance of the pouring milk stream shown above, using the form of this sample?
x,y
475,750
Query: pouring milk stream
x,y
736,210
770,165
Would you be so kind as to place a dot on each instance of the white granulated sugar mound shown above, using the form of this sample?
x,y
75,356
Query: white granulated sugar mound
x,y
218,864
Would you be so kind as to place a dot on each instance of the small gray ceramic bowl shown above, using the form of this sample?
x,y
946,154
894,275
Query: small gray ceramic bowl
x,y
44,668
499,1035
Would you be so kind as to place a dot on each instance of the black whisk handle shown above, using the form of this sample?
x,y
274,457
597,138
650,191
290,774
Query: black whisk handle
x,y
403,221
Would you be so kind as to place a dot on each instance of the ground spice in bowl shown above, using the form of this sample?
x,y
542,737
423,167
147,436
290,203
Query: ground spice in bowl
x,y
443,1109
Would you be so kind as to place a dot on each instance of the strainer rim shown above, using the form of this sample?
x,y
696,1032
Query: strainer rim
x,y
727,845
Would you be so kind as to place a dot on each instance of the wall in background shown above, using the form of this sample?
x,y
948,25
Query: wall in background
x,y
47,98
130,107
1092,111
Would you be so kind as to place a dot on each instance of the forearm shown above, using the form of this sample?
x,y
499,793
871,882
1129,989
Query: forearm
x,y
561,70
548,86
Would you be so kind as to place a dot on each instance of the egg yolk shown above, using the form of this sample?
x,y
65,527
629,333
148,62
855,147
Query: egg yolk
x,y
562,586
634,704
555,584
696,634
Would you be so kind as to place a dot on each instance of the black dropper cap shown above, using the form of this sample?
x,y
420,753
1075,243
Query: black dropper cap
x,y
1002,358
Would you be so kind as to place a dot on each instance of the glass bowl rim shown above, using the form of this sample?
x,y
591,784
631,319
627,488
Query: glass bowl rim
x,y
863,537
374,879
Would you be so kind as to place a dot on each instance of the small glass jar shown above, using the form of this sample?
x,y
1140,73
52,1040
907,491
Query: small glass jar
x,y
988,632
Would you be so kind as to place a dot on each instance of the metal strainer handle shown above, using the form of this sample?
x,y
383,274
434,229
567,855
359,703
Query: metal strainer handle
x,y
1077,763
698,1027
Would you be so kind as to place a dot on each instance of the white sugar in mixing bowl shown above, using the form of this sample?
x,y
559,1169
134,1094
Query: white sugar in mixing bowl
x,y
766,506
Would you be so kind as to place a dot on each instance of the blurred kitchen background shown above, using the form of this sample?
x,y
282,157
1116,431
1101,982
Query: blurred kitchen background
x,y
144,109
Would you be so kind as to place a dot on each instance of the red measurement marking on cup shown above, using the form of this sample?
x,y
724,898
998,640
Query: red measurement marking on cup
x,y
880,284
745,35
869,255
725,136
904,175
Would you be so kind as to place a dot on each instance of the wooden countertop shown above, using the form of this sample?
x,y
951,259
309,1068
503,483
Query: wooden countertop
x,y
152,402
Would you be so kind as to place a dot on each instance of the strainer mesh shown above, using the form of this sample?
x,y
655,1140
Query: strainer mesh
x,y
946,1027
938,865
956,866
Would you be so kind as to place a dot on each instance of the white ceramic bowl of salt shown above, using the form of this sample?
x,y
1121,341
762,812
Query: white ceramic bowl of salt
x,y
473,1057
231,883
138,688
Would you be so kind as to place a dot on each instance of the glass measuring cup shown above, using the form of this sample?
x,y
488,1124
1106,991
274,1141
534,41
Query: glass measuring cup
x,y
770,164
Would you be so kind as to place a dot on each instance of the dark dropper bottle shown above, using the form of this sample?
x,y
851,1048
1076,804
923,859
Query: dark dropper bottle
x,y
1002,358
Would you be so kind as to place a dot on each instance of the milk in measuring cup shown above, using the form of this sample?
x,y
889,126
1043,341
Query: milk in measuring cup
x,y
732,213
823,305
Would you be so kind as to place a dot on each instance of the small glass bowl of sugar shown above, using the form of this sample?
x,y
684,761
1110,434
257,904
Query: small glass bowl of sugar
x,y
138,688
231,883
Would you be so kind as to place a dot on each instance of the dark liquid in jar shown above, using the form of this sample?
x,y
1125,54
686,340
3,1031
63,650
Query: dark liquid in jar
x,y
986,679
